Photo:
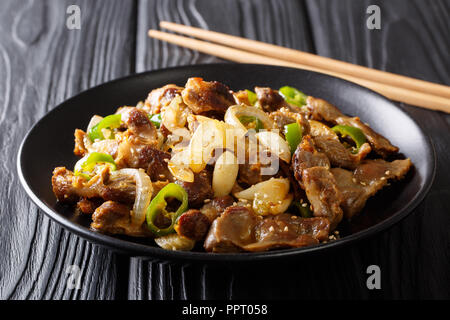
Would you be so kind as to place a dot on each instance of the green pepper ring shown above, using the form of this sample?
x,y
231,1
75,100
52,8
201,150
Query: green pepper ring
x,y
159,204
354,133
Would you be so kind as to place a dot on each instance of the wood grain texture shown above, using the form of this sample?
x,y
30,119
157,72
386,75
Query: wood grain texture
x,y
263,20
43,63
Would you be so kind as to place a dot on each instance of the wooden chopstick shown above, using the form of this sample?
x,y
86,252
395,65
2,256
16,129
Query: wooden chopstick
x,y
296,56
398,94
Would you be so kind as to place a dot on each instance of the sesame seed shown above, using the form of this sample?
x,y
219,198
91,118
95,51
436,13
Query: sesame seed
x,y
354,180
383,178
363,183
311,207
271,229
387,172
304,205
293,217
286,229
207,200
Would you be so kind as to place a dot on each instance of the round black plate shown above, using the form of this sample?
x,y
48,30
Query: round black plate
x,y
50,143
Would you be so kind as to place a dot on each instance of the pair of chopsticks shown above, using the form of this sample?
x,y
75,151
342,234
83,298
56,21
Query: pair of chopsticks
x,y
400,88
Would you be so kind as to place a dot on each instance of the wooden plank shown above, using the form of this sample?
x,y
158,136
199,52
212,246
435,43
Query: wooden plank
x,y
413,40
262,20
42,63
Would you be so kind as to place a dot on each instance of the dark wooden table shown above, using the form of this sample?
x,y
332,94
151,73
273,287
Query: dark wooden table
x,y
42,63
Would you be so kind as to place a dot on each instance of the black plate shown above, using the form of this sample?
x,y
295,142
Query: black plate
x,y
50,143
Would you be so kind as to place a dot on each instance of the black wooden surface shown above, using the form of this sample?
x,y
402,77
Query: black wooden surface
x,y
42,63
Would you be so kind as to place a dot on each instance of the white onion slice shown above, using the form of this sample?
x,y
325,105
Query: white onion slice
x,y
235,112
269,197
179,166
274,188
225,174
86,140
276,144
175,242
174,116
94,120
144,191
208,136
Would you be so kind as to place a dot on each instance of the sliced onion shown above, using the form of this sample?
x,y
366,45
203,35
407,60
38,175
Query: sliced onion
x,y
235,112
225,174
208,136
275,187
86,140
175,242
160,140
174,115
179,166
273,207
195,120
179,139
275,143
269,197
144,191
94,121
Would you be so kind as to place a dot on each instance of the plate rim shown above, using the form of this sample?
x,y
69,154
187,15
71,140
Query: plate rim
x,y
143,250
